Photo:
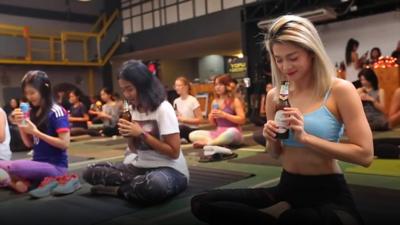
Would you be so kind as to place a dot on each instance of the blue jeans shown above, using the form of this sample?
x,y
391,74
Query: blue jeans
x,y
146,186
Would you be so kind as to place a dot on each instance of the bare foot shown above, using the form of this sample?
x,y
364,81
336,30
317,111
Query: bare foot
x,y
199,144
20,186
277,209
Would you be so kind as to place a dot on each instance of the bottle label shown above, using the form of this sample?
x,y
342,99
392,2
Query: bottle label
x,y
280,122
284,90
24,106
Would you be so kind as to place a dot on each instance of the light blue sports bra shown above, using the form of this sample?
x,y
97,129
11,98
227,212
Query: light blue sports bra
x,y
320,123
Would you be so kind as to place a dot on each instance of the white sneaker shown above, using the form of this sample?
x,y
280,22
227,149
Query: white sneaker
x,y
213,149
184,141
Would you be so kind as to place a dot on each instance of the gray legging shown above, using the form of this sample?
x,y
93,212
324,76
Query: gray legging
x,y
146,186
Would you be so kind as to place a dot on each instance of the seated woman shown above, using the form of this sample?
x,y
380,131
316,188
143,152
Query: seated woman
x,y
227,114
394,112
78,114
46,130
312,188
373,99
158,171
187,109
109,113
389,148
5,137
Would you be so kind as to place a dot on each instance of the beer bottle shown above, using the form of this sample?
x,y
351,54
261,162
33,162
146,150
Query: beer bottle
x,y
283,130
126,114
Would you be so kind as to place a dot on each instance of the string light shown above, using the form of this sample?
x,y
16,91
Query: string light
x,y
385,62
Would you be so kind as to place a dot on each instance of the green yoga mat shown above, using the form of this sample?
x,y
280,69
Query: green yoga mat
x,y
384,167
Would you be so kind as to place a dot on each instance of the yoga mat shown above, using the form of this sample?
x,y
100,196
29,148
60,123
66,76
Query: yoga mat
x,y
385,167
258,159
84,209
377,206
71,158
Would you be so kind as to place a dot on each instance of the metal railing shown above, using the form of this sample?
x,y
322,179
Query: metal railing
x,y
19,46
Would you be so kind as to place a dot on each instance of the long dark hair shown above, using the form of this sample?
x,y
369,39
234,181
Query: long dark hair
x,y
39,81
150,91
349,48
370,76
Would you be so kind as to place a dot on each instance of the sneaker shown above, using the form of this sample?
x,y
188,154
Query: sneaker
x,y
184,141
30,153
4,178
45,188
213,149
67,184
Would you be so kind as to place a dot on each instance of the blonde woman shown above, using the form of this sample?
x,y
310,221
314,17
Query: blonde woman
x,y
187,109
312,188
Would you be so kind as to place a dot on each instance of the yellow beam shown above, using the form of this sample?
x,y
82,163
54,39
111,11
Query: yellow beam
x,y
112,50
11,27
91,82
52,50
79,34
47,63
108,23
11,33
85,51
98,22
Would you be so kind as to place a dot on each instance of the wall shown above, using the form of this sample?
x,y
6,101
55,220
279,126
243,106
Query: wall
x,y
382,30
44,26
90,8
171,69
214,24
210,65
11,75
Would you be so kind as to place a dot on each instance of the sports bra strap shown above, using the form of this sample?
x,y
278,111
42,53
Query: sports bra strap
x,y
327,94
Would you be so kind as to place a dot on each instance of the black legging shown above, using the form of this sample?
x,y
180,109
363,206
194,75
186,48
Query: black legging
x,y
321,199
185,131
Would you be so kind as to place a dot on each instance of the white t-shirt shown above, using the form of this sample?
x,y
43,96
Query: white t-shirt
x,y
186,108
352,72
162,121
5,152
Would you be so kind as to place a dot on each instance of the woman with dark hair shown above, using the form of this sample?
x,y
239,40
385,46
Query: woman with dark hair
x,y
373,99
78,113
109,113
187,109
11,105
46,130
227,115
353,62
374,55
156,169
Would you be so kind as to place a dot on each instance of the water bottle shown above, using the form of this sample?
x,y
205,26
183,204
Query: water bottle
x,y
24,106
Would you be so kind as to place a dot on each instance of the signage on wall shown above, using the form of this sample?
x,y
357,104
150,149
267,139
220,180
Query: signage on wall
x,y
237,65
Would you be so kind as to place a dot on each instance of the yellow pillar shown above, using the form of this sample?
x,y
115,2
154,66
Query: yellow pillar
x,y
91,82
